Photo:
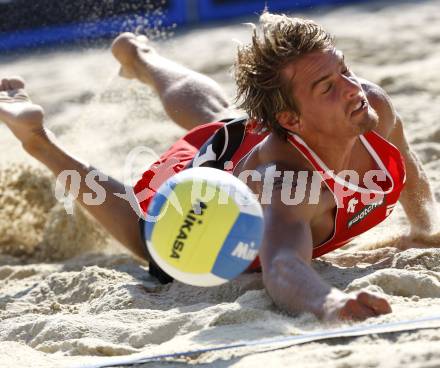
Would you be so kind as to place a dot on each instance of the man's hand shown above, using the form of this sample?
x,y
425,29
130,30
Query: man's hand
x,y
355,306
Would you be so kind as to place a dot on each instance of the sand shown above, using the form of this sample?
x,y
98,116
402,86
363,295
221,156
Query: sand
x,y
69,293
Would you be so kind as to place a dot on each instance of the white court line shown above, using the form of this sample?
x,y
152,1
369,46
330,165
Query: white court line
x,y
143,357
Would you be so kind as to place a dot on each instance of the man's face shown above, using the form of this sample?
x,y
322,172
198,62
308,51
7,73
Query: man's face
x,y
330,99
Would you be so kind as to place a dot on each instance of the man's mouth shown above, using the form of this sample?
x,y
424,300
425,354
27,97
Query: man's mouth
x,y
360,106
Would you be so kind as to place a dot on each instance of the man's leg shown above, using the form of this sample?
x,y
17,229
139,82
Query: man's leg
x,y
188,97
25,120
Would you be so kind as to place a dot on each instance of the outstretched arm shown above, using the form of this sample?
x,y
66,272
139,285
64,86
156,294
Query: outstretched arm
x,y
287,273
290,281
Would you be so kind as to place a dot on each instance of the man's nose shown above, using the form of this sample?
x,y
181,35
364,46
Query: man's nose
x,y
352,88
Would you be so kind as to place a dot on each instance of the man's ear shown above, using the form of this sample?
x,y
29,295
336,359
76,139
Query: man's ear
x,y
289,120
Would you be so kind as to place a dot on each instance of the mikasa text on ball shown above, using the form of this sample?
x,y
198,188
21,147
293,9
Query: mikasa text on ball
x,y
204,226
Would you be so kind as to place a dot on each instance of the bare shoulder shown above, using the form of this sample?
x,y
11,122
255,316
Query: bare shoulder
x,y
289,210
381,103
289,191
283,179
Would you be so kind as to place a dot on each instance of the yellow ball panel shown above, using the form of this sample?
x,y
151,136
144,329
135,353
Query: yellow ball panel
x,y
216,231
190,241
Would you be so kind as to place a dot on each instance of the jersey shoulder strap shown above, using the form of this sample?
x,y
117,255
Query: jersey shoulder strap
x,y
222,145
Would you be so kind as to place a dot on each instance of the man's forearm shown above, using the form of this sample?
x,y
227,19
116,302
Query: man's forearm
x,y
296,287
418,200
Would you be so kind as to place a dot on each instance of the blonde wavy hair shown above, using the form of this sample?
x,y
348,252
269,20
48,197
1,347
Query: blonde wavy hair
x,y
261,89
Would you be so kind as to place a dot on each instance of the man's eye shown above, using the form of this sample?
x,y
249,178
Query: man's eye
x,y
328,88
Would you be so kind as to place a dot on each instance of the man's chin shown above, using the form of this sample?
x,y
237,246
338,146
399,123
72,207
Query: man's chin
x,y
370,122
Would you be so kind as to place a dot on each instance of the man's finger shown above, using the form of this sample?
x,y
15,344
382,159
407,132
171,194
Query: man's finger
x,y
355,310
4,84
16,83
377,303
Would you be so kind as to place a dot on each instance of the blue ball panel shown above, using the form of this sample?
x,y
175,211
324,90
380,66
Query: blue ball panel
x,y
247,229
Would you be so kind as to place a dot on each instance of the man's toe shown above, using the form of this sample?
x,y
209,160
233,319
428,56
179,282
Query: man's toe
x,y
16,83
4,84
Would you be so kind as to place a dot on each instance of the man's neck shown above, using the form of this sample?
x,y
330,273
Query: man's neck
x,y
336,153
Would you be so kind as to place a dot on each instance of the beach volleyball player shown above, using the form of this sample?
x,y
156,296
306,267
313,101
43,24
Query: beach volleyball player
x,y
309,113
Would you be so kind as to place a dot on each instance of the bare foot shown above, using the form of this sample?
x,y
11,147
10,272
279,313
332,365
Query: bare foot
x,y
132,51
23,118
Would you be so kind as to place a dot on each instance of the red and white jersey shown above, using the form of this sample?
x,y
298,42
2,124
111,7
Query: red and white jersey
x,y
224,144
359,207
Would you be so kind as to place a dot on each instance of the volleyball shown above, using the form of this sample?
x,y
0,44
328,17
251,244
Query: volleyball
x,y
204,226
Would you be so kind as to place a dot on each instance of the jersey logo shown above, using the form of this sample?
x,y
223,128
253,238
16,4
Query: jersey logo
x,y
390,209
363,213
352,205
